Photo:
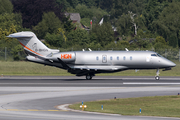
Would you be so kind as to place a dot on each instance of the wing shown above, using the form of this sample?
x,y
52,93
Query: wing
x,y
84,70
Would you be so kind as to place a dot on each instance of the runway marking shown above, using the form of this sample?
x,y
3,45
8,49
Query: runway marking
x,y
30,110
12,109
53,110
31,116
152,78
136,83
59,83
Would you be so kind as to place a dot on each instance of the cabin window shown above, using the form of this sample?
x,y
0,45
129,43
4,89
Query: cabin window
x,y
117,57
130,57
111,58
97,58
124,58
154,55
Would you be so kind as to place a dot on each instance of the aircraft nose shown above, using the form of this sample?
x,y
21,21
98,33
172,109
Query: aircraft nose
x,y
171,64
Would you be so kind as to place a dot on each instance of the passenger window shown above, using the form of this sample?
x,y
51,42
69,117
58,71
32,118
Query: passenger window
x,y
124,58
117,57
131,58
111,58
97,58
154,55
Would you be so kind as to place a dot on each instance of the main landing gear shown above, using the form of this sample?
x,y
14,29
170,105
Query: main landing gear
x,y
88,77
157,75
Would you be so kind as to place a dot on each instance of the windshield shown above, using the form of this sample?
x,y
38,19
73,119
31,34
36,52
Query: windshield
x,y
159,55
156,55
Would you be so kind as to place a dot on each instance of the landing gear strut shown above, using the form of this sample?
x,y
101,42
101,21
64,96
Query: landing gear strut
x,y
157,75
88,77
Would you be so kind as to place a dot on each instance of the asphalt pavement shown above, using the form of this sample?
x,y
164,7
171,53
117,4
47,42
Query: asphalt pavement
x,y
37,97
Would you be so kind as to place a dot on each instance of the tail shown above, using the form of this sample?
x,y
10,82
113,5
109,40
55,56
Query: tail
x,y
32,45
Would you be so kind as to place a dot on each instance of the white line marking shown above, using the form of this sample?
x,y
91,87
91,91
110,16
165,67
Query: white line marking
x,y
126,83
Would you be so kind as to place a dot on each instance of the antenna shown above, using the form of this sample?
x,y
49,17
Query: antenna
x,y
126,49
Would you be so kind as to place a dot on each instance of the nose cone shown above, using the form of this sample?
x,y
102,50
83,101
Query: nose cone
x,y
171,64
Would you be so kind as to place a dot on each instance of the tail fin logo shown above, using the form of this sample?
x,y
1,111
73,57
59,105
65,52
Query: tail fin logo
x,y
34,46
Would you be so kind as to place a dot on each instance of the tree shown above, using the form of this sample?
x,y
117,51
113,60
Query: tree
x,y
68,24
9,19
91,12
160,39
6,6
105,4
132,15
73,3
49,24
104,34
55,40
173,41
78,37
168,23
64,3
119,7
124,25
32,10
151,13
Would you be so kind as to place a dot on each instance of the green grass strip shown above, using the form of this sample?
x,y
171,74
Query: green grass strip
x,y
34,69
164,106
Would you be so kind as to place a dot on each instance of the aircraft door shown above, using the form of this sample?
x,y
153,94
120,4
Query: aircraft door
x,y
104,58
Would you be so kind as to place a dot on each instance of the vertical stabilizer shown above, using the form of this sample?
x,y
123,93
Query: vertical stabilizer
x,y
32,45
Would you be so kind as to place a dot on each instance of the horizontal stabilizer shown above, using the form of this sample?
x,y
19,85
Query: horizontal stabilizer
x,y
21,35
11,36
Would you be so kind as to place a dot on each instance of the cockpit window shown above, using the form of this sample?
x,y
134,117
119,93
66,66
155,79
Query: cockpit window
x,y
159,55
154,55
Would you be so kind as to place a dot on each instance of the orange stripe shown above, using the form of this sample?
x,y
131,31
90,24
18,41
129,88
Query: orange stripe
x,y
30,49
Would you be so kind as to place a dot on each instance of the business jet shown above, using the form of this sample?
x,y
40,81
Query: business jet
x,y
89,63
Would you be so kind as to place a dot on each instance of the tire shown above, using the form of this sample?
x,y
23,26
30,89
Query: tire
x,y
157,77
88,77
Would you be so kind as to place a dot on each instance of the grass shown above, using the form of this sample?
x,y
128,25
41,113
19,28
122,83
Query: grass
x,y
29,69
34,69
165,106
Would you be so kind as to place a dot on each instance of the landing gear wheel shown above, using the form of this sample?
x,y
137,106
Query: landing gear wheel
x,y
157,77
88,77
157,74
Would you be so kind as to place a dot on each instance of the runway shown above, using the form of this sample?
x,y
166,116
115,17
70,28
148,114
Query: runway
x,y
33,98
97,81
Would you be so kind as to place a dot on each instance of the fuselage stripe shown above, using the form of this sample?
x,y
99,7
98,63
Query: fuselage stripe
x,y
30,49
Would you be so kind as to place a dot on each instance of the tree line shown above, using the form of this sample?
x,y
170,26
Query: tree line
x,y
138,24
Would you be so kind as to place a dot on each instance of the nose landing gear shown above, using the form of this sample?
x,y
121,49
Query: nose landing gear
x,y
157,75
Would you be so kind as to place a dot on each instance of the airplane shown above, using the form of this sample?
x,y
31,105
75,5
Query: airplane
x,y
89,63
